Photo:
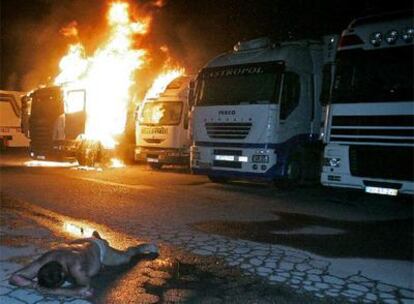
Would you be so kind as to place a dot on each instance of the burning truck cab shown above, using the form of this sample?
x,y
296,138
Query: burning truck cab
x,y
46,107
57,124
162,126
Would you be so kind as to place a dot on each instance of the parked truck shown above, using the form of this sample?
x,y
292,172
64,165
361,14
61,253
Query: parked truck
x,y
11,134
56,126
258,113
162,127
370,126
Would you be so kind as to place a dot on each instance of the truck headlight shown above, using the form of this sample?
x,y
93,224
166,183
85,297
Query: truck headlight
x,y
332,162
260,158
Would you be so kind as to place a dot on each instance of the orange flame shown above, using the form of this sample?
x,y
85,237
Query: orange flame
x,y
162,81
106,76
70,30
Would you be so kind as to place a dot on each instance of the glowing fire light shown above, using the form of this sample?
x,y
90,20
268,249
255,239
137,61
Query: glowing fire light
x,y
42,163
162,81
106,76
158,87
116,163
77,230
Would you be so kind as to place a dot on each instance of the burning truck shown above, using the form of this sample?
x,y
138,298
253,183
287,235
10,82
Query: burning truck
x,y
57,128
85,112
162,122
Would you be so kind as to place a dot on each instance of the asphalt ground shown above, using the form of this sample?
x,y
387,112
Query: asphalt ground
x,y
292,245
175,276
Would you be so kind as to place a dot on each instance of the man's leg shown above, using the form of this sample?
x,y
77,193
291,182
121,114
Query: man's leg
x,y
114,257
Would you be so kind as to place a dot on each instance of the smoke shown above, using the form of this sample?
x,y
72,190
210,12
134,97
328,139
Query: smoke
x,y
34,36
32,44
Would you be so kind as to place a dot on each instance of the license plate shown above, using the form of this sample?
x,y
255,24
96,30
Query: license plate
x,y
382,191
152,160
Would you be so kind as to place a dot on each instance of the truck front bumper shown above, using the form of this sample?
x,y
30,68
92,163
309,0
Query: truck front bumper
x,y
162,156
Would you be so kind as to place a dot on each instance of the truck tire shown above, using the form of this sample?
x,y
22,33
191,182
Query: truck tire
x,y
294,170
294,173
88,153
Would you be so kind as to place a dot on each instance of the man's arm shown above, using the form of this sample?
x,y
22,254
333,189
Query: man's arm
x,y
24,277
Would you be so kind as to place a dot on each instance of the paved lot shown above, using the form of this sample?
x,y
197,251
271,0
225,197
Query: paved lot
x,y
309,241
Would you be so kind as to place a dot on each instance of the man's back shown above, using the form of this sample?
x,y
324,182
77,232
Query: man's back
x,y
82,253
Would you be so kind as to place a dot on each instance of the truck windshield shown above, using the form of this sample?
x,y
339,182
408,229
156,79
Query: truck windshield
x,y
161,113
239,84
382,75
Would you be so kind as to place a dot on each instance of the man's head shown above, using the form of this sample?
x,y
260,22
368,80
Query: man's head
x,y
51,275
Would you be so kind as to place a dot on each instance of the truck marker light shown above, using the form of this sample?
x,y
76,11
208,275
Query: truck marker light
x,y
408,34
391,37
376,38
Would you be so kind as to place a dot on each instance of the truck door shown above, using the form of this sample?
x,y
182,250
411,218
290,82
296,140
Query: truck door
x,y
289,116
75,113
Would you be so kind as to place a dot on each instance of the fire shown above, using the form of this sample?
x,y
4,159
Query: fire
x,y
158,87
157,114
106,76
52,164
162,81
116,163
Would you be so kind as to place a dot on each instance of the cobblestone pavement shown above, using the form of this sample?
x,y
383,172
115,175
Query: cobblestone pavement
x,y
279,264
299,271
174,277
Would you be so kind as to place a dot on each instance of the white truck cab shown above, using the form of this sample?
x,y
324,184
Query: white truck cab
x,y
162,127
369,132
258,114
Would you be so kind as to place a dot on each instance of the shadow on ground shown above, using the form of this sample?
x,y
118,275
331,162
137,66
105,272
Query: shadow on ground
x,y
387,239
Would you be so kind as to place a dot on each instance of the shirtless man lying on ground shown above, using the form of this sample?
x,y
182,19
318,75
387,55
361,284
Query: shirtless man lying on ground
x,y
77,261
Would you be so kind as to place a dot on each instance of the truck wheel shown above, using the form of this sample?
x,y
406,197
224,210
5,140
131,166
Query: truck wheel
x,y
88,153
155,166
294,170
294,174
218,179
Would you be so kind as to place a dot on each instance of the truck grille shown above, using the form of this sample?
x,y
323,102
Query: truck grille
x,y
385,162
228,130
41,138
386,129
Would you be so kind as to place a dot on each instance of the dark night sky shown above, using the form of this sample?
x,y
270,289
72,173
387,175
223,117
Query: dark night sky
x,y
194,31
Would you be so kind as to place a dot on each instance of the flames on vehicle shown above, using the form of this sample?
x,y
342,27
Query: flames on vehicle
x,y
108,76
